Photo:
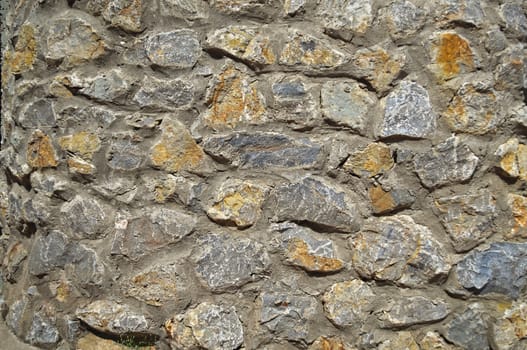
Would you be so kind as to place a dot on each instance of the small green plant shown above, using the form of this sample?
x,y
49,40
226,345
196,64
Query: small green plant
x,y
132,342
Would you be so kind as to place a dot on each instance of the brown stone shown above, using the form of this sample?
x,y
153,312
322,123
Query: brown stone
x,y
80,166
518,206
373,160
124,14
381,200
513,159
22,58
83,143
40,152
451,56
329,343
299,254
511,327
433,341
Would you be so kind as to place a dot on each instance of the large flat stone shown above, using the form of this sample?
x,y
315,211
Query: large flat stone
x,y
178,49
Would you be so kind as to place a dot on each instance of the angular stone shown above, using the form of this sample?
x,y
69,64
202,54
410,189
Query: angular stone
x,y
43,332
451,55
346,18
22,58
464,11
125,152
108,86
346,103
38,114
40,151
468,219
177,150
513,159
378,66
191,10
398,250
448,162
125,14
518,207
373,160
15,255
473,110
510,74
234,99
149,231
296,102
501,269
260,150
434,341
237,202
175,188
408,112
82,143
177,49
318,202
514,17
306,51
14,317
403,18
74,39
207,326
348,303
85,217
92,115
305,249
384,202
329,343
252,8
244,43
113,318
412,310
469,329
400,340
292,7
172,94
224,262
511,327
287,313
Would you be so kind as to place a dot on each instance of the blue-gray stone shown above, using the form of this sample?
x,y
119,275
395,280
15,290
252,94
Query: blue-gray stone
x,y
469,329
178,49
39,114
289,89
165,94
43,332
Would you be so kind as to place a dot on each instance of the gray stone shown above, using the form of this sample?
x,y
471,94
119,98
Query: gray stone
x,y
177,49
191,10
514,17
346,18
48,252
43,332
113,318
318,202
288,313
13,258
261,150
224,262
289,90
107,86
465,11
403,18
349,303
85,266
408,112
39,114
296,102
469,329
125,152
511,73
89,114
468,219
496,41
85,217
509,330
501,269
346,103
398,250
13,319
292,7
251,8
412,310
165,94
448,162
125,14
150,230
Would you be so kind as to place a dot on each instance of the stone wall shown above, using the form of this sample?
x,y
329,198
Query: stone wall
x,y
265,174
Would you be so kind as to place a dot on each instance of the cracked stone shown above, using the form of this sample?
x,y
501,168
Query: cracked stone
x,y
125,152
251,8
178,48
452,55
412,310
449,162
82,143
318,202
14,317
465,11
296,102
398,250
329,343
518,207
346,18
108,86
175,188
408,112
373,160
174,94
511,327
38,114
224,262
514,17
513,158
434,341
384,202
511,73
85,217
43,332
403,18
125,14
22,58
469,329
40,151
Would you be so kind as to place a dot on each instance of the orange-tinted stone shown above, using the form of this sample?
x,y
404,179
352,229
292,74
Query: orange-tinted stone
x,y
40,152
381,200
518,206
328,343
375,159
452,55
83,143
80,166
298,254
22,58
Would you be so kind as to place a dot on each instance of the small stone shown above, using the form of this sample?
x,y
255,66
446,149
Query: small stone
x,y
289,89
149,231
38,114
474,110
288,313
48,252
448,162
511,327
296,102
308,52
74,39
43,332
172,94
82,143
316,201
177,150
514,17
518,207
468,219
412,310
15,255
122,189
292,7
40,151
108,86
373,160
496,41
344,19
143,121
403,18
464,11
260,150
346,103
469,329
113,318
125,152
251,8
177,49
125,14
14,317
224,262
510,75
234,99
408,112
22,58
191,10
348,303
85,217
452,55
398,250
434,341
303,248
513,159
400,340
175,188
329,343
499,269
237,203
384,202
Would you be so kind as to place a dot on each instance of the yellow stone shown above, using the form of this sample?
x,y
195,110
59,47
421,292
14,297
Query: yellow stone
x,y
513,159
375,159
381,66
401,340
40,152
306,50
433,341
381,200
298,254
80,166
22,58
83,143
328,343
518,206
452,55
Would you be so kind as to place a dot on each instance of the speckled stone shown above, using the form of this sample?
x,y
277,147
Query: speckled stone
x,y
169,95
177,49
412,310
346,18
468,329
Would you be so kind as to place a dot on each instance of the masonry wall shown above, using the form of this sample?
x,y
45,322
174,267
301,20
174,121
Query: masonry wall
x,y
265,174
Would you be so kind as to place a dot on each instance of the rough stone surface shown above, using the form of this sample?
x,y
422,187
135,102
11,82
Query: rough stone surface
x,y
43,331
469,329
518,206
374,159
466,12
164,94
348,303
412,310
513,159
346,18
384,202
125,14
85,217
40,151
178,49
511,328
403,18
452,55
